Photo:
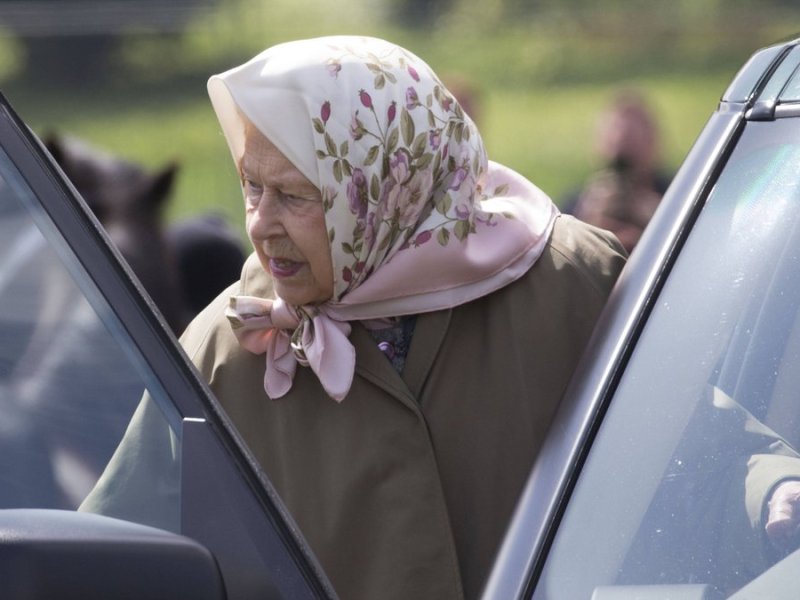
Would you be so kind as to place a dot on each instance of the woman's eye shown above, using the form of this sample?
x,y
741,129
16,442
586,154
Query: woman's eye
x,y
252,191
293,199
251,186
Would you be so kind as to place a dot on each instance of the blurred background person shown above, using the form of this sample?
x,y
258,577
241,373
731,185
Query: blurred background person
x,y
467,92
623,195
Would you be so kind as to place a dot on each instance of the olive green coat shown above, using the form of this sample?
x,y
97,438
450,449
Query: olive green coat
x,y
404,489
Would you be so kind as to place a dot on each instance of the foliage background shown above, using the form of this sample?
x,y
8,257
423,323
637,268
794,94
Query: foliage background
x,y
543,69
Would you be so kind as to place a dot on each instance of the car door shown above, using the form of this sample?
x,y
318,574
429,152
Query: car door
x,y
685,415
82,352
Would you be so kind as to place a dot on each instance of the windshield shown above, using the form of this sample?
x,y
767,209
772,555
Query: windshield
x,y
70,376
706,419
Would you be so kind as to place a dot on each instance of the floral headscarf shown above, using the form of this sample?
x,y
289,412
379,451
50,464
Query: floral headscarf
x,y
418,219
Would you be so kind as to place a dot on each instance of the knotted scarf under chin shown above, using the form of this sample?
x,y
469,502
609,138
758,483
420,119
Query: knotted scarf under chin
x,y
289,335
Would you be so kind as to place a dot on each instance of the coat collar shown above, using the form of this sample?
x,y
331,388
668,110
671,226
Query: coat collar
x,y
429,333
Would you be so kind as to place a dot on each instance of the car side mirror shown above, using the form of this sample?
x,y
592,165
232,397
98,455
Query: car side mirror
x,y
47,554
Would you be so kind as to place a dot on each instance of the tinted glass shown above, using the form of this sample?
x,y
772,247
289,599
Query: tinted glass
x,y
70,378
792,91
749,76
782,74
706,419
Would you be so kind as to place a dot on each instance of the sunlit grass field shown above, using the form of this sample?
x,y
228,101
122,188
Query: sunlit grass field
x,y
539,92
544,133
547,134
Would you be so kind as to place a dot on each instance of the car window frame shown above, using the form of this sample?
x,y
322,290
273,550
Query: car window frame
x,y
199,411
524,550
744,144
558,465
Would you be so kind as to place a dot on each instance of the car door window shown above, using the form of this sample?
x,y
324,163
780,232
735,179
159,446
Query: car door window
x,y
70,377
706,418
101,411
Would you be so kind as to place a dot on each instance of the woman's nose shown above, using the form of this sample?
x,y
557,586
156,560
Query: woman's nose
x,y
268,215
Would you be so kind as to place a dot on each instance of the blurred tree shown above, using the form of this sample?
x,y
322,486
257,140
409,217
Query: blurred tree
x,y
76,41
419,13
85,59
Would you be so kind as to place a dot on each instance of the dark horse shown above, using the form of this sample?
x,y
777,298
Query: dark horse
x,y
182,266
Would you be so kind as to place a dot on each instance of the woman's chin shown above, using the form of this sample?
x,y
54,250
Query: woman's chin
x,y
294,292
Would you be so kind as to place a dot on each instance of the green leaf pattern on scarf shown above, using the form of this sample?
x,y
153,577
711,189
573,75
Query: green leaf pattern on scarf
x,y
409,170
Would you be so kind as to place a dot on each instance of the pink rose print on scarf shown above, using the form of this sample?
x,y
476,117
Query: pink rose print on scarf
x,y
435,138
333,68
399,166
405,192
458,178
422,237
412,99
357,194
366,99
402,188
357,129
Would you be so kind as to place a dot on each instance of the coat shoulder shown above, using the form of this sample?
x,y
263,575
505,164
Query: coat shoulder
x,y
593,255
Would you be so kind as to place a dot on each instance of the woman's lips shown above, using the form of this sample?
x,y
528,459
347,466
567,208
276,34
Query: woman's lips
x,y
282,267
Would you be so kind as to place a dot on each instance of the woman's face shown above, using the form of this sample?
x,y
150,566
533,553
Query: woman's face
x,y
286,223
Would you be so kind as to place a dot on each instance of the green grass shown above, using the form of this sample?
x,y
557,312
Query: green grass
x,y
541,84
544,133
547,134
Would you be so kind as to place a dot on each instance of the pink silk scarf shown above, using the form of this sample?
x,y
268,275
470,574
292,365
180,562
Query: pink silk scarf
x,y
418,218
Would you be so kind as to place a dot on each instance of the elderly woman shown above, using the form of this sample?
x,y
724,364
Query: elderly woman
x,y
402,335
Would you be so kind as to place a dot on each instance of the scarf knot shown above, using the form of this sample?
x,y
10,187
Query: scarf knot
x,y
289,336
